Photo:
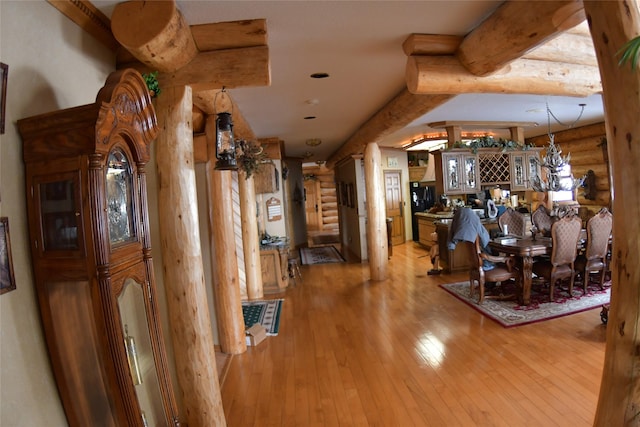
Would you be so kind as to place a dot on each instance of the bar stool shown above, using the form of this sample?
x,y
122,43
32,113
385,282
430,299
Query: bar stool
x,y
294,268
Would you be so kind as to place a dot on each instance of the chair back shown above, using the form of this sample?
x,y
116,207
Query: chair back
x,y
473,250
514,220
598,231
542,220
565,234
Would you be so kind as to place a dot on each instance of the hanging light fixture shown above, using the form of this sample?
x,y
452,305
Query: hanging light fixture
x,y
225,142
554,163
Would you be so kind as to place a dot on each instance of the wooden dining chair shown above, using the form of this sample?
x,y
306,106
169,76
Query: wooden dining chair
x,y
565,234
595,256
542,220
503,270
515,222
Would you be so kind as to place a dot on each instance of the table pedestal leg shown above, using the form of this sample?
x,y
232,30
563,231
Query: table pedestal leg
x,y
527,278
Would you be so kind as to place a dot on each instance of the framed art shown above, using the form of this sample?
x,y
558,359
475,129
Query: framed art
x,y
7,279
4,71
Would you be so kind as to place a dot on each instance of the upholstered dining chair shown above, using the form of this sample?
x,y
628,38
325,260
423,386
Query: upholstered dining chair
x,y
542,220
515,222
565,234
595,256
503,269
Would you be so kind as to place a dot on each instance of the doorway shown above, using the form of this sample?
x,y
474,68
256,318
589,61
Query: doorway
x,y
395,205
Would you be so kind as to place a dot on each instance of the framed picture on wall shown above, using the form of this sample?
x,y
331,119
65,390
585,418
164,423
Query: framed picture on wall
x,y
7,279
4,71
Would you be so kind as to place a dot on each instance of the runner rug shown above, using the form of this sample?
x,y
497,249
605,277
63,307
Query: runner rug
x,y
267,313
320,255
510,313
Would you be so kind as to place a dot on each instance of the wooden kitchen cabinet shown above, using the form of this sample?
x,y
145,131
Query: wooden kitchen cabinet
x,y
426,226
91,254
274,262
456,172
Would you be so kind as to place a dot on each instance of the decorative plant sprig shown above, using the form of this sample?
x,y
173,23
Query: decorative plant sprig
x,y
630,52
249,155
151,79
490,142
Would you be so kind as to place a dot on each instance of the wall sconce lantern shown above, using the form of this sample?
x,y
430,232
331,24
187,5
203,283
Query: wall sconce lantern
x,y
225,144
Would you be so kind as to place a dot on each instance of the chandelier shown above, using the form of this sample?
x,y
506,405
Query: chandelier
x,y
553,163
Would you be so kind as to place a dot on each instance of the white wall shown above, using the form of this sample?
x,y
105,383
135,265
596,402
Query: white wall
x,y
53,64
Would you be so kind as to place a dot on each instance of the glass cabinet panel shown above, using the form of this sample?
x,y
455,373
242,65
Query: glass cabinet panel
x,y
135,328
534,167
453,174
59,215
470,173
518,168
119,198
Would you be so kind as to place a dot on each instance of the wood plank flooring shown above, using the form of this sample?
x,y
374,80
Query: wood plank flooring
x,y
403,352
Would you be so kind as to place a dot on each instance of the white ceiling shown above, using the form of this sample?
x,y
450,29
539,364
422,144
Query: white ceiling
x,y
359,44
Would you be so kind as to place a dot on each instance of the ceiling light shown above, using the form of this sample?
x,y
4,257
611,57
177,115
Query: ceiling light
x,y
319,75
313,142
313,101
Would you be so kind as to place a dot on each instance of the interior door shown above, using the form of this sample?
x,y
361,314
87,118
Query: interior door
x,y
394,205
312,205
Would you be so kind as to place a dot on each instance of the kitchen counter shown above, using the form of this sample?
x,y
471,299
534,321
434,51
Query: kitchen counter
x,y
434,216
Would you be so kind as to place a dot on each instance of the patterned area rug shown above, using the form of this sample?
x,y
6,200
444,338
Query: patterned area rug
x,y
320,255
510,313
267,313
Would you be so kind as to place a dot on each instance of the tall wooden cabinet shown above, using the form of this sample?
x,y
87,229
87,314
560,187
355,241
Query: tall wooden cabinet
x,y
91,253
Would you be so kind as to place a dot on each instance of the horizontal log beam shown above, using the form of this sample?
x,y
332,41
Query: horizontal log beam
x,y
230,35
209,101
217,69
446,75
431,44
513,29
480,125
569,48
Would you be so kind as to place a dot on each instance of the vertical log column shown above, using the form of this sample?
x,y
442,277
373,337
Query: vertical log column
x,y
612,24
226,283
250,237
376,218
182,262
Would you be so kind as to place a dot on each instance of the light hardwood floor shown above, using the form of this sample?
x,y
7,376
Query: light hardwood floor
x,y
403,352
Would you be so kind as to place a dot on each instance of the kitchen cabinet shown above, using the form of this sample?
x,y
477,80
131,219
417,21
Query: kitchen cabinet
x,y
461,171
274,261
456,172
91,254
523,166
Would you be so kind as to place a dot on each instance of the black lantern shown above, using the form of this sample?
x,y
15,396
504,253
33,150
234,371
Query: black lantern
x,y
225,144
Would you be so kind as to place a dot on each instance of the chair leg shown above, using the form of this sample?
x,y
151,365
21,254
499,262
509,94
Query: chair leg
x,y
585,281
481,290
573,275
551,286
602,278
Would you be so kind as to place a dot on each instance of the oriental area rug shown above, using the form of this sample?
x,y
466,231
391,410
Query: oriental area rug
x,y
266,312
320,255
509,313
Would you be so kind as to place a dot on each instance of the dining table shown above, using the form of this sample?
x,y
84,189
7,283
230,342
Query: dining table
x,y
525,249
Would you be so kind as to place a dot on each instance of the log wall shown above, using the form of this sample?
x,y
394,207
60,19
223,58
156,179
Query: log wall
x,y
328,197
588,150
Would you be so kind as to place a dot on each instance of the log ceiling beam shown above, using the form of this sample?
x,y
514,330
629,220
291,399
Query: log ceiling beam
x,y
446,75
513,29
398,113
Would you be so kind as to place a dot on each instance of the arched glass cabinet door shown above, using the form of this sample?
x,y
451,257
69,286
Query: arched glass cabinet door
x,y
120,207
137,340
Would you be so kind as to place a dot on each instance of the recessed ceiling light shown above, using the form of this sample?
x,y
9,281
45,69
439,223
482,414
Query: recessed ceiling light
x,y
313,142
319,75
310,117
313,101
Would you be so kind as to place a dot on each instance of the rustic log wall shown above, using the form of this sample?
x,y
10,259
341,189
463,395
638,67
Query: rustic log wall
x,y
587,146
328,197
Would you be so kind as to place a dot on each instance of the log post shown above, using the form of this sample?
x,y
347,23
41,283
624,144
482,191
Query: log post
x,y
376,213
223,243
250,236
189,317
612,24
155,32
454,134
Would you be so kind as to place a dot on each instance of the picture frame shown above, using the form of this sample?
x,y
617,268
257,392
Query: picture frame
x,y
7,278
4,72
